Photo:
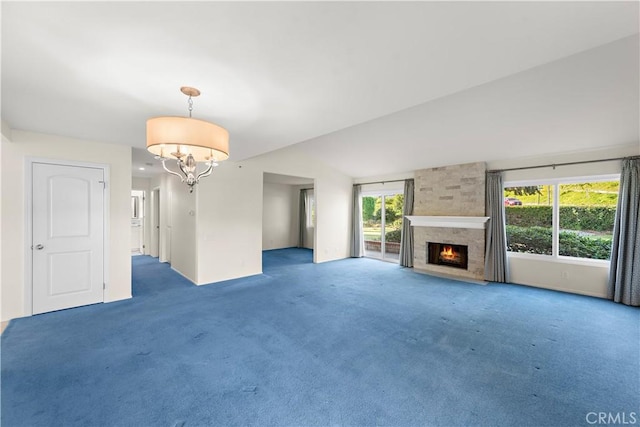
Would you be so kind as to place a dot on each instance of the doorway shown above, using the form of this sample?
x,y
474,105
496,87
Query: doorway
x,y
154,250
137,222
288,212
382,224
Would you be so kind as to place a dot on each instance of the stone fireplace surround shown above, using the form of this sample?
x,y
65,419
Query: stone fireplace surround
x,y
457,190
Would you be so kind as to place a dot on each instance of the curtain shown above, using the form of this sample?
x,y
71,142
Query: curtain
x,y
302,213
495,259
357,238
624,272
406,235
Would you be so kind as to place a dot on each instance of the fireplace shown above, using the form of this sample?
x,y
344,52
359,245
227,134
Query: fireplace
x,y
447,254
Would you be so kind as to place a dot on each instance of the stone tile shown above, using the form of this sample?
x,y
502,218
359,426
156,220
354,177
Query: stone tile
x,y
456,190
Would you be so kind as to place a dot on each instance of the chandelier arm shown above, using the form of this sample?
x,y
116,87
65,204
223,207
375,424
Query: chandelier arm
x,y
207,172
170,171
181,167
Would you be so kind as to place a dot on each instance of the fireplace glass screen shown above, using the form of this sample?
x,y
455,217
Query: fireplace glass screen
x,y
447,254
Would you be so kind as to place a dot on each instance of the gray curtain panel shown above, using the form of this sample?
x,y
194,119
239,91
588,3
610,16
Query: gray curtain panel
x,y
624,273
495,259
406,235
302,214
357,238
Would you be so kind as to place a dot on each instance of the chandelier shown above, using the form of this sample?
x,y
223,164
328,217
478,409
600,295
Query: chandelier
x,y
189,141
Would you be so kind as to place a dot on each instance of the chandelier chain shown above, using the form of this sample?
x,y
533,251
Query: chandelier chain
x,y
190,106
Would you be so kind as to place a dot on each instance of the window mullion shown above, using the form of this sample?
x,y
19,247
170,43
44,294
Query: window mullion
x,y
383,224
555,221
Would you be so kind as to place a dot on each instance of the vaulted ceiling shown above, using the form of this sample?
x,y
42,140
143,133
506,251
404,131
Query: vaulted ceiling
x,y
447,81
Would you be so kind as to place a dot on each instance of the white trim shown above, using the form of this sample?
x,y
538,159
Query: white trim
x,y
106,215
155,218
315,228
28,253
568,180
183,275
448,221
377,192
28,239
555,221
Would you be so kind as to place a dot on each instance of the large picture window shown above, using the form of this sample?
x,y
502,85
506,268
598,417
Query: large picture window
x,y
562,218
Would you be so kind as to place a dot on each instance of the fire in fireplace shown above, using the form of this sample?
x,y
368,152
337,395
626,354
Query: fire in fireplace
x,y
447,254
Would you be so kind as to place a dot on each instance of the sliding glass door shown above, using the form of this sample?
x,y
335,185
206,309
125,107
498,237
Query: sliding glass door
x,y
372,226
382,222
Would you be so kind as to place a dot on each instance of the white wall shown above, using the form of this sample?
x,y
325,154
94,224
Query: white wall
x,y
229,223
590,277
182,228
334,195
566,276
164,245
178,212
143,184
229,213
30,144
278,210
6,138
332,192
386,181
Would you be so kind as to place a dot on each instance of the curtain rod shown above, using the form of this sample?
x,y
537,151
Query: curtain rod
x,y
553,165
381,182
306,189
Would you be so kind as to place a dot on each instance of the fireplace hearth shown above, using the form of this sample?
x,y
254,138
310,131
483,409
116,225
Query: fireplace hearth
x,y
447,254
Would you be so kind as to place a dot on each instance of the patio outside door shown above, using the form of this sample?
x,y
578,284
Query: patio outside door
x,y
382,222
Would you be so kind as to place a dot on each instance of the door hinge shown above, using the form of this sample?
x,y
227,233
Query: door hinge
x,y
104,184
104,286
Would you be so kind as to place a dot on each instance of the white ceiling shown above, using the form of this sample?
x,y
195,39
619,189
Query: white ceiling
x,y
279,73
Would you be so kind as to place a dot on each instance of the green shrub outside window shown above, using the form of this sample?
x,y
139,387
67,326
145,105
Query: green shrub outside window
x,y
586,217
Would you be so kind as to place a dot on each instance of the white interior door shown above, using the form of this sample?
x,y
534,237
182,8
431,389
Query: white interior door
x,y
137,222
68,236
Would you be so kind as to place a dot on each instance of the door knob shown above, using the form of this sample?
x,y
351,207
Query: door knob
x,y
39,247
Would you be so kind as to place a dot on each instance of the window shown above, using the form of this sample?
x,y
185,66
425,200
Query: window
x,y
562,218
311,209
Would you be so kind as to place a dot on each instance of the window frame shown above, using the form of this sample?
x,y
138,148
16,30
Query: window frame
x,y
555,220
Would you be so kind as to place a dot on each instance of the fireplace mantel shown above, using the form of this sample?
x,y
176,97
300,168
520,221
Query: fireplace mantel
x,y
448,221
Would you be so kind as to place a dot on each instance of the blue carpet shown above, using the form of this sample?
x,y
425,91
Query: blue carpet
x,y
275,259
353,342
